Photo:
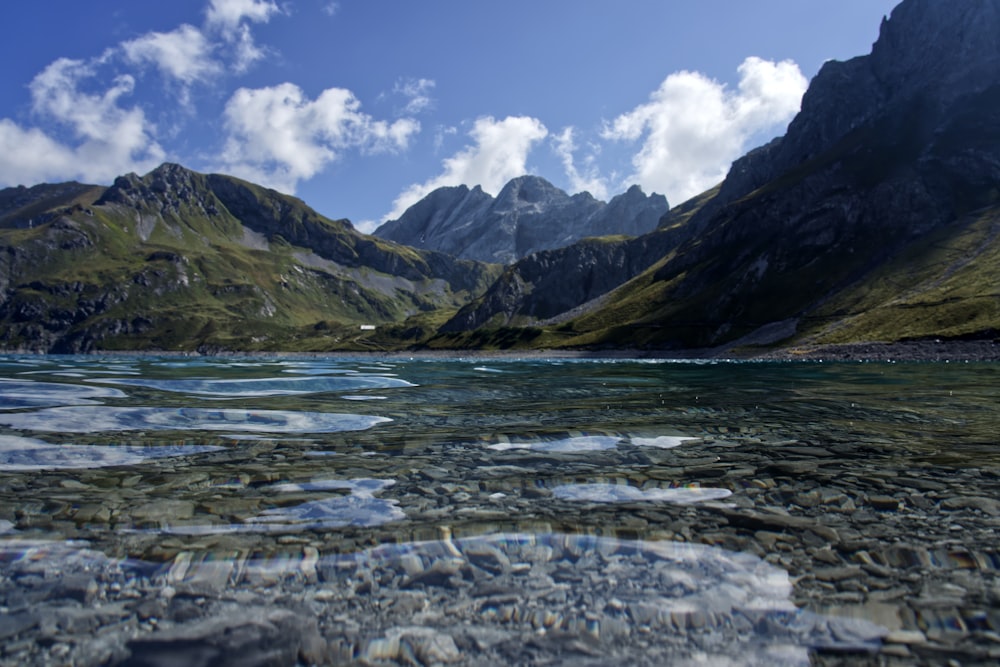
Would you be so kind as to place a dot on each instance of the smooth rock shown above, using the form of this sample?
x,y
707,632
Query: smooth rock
x,y
883,503
245,637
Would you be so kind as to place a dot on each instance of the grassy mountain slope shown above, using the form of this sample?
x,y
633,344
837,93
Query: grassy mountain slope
x,y
179,260
946,285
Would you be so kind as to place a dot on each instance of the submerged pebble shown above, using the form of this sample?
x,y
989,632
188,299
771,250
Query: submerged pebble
x,y
637,513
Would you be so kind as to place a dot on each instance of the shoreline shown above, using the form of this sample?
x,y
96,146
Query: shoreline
x,y
907,351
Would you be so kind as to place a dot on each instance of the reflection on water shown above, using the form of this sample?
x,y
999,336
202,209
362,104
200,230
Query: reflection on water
x,y
619,493
533,465
359,508
661,441
565,445
22,454
695,602
106,418
16,394
263,387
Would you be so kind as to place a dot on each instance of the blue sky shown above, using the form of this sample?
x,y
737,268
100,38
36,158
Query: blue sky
x,y
360,107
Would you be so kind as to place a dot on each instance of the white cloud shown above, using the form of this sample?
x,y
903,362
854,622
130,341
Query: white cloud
x,y
417,92
29,156
246,50
104,139
183,54
230,18
331,8
440,134
499,153
278,137
82,127
589,179
229,14
694,127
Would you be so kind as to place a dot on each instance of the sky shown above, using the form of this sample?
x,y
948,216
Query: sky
x,y
362,107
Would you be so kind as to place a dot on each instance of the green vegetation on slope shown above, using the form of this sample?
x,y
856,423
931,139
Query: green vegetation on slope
x,y
161,262
945,285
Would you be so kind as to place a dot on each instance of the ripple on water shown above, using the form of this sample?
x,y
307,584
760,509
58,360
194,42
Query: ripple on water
x,y
622,493
720,605
660,442
261,387
696,603
359,508
104,418
15,394
586,443
26,454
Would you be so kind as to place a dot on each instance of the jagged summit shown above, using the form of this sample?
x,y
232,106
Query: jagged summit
x,y
874,218
931,59
528,215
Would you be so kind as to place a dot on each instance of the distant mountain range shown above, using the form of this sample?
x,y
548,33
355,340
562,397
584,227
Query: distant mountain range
x,y
875,218
529,214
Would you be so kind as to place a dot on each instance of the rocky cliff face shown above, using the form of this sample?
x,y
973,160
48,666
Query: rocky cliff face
x,y
528,215
888,150
931,60
551,283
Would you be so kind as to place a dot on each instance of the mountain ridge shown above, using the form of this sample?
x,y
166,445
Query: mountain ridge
x,y
181,260
876,217
528,215
875,162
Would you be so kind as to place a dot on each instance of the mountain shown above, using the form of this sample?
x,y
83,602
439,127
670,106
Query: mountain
x,y
181,260
876,217
529,214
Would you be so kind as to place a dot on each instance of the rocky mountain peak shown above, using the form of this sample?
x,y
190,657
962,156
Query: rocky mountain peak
x,y
952,46
530,190
928,53
170,189
529,214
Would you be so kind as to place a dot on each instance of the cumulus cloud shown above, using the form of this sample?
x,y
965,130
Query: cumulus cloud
x,y
278,137
230,14
692,128
499,153
192,55
184,54
104,140
230,18
589,179
85,130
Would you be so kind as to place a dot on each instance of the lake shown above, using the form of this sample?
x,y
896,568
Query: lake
x,y
388,510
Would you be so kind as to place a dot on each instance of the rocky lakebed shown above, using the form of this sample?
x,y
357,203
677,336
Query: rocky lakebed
x,y
529,513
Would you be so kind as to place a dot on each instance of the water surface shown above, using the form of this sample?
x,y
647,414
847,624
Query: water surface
x,y
278,460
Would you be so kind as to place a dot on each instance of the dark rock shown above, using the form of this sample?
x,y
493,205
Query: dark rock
x,y
884,503
80,587
248,637
990,506
13,624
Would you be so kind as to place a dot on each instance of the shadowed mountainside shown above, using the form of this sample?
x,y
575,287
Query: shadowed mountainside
x,y
874,218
